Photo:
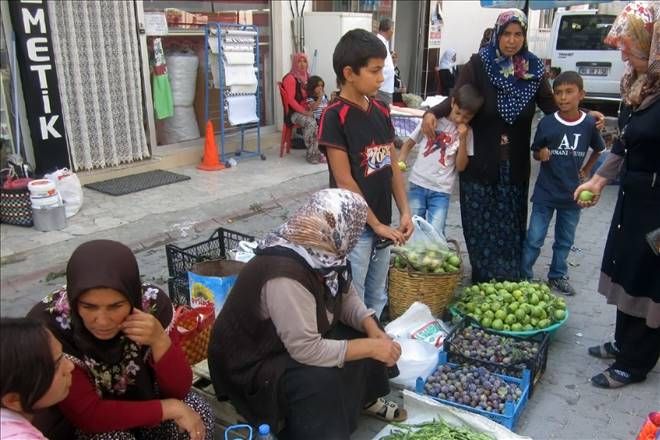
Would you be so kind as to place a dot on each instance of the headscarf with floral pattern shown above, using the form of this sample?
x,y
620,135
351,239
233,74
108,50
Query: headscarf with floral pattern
x,y
323,231
118,367
515,78
636,30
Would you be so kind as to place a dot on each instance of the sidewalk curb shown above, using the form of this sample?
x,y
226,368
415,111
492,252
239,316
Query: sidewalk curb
x,y
146,243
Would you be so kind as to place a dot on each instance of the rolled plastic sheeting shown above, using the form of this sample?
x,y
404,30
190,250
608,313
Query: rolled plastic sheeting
x,y
180,127
182,71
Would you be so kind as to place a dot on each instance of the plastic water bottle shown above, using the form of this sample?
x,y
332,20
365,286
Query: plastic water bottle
x,y
264,433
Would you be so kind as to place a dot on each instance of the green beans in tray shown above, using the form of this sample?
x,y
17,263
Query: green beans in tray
x,y
433,430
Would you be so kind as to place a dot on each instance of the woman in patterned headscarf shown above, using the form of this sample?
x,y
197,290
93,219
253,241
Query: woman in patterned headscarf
x,y
494,185
294,345
130,380
629,275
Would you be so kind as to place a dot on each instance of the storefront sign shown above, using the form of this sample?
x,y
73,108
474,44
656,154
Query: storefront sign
x,y
435,25
34,52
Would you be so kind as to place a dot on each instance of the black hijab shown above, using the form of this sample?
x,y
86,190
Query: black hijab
x,y
119,367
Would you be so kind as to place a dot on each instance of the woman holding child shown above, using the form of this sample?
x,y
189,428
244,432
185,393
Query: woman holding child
x,y
629,275
295,86
494,186
130,380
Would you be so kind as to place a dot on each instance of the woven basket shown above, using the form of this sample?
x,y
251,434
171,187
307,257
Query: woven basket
x,y
192,331
435,290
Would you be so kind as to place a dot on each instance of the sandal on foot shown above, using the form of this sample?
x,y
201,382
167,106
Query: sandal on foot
x,y
385,410
613,378
604,351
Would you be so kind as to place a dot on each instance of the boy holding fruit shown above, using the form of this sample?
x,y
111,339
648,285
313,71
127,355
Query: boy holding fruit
x,y
561,143
432,177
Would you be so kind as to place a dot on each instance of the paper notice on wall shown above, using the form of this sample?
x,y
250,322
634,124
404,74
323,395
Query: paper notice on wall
x,y
435,25
239,74
242,109
155,23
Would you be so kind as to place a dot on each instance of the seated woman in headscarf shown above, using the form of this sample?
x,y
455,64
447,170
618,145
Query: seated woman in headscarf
x,y
295,86
130,380
447,71
294,345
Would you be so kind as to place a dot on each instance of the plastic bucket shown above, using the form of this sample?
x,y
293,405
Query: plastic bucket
x,y
41,188
52,218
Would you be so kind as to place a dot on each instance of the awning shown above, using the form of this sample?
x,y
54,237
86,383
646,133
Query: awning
x,y
535,4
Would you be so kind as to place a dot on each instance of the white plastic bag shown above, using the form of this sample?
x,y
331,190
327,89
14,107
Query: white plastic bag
x,y
69,187
244,252
418,323
418,359
425,234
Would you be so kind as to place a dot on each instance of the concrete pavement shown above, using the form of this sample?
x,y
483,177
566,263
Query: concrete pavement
x,y
257,196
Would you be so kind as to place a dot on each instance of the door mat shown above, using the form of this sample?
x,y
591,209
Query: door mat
x,y
136,182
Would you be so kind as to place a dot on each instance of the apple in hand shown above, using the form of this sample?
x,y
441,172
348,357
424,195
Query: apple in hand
x,y
586,196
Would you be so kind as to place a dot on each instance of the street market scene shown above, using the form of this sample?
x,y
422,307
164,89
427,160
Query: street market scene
x,y
360,219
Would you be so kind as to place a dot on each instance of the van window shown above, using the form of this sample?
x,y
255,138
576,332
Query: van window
x,y
584,32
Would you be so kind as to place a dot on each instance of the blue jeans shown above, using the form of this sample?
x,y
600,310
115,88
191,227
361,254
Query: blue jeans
x,y
429,204
369,268
565,225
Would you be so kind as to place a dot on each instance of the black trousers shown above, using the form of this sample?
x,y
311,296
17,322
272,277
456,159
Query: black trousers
x,y
324,403
638,344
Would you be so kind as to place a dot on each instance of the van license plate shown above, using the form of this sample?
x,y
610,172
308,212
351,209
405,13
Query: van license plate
x,y
592,71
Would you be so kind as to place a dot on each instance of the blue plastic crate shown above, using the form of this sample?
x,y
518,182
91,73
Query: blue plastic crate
x,y
512,411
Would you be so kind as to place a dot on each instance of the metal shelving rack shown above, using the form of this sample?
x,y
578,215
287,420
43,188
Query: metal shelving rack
x,y
219,31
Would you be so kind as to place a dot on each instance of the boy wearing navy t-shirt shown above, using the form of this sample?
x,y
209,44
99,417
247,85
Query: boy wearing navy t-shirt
x,y
357,135
561,143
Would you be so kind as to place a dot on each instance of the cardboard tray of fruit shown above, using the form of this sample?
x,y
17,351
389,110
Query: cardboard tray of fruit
x,y
516,309
495,396
470,343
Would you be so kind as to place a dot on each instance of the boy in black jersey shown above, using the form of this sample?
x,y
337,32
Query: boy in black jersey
x,y
357,136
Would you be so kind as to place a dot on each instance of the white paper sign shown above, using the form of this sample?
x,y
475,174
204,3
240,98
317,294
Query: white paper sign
x,y
155,23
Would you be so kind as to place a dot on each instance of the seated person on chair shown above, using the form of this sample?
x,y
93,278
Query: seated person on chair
x,y
295,83
130,380
294,345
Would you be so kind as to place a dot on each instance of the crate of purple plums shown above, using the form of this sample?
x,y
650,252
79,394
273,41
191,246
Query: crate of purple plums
x,y
503,354
475,389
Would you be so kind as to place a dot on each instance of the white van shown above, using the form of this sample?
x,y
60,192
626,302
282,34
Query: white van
x,y
577,44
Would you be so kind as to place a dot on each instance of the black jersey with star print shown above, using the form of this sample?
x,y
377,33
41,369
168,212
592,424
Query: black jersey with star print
x,y
366,136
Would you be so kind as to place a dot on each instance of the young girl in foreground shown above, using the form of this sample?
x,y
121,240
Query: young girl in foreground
x,y
34,374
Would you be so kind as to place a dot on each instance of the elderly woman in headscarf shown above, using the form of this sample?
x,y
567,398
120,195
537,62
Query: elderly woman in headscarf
x,y
447,72
295,86
629,277
294,345
494,186
130,380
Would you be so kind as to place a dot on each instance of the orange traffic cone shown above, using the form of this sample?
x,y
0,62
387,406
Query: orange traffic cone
x,y
210,161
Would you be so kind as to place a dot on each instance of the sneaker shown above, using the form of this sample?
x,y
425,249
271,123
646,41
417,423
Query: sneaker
x,y
562,286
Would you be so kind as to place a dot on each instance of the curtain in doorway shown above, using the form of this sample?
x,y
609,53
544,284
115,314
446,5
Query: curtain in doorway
x,y
95,44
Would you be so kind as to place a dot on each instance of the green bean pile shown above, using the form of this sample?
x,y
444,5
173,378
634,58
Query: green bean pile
x,y
433,430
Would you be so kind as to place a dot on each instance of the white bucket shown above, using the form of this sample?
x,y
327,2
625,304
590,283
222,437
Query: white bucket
x,y
46,202
43,194
42,188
